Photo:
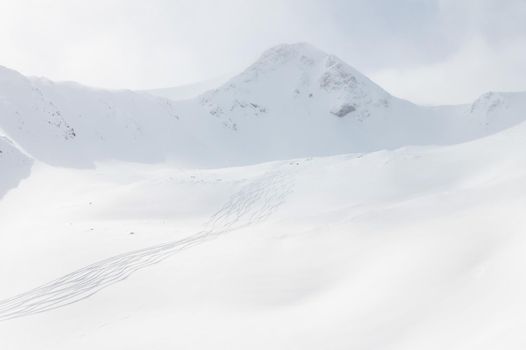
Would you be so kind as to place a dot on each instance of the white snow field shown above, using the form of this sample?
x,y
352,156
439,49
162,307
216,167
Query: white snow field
x,y
298,206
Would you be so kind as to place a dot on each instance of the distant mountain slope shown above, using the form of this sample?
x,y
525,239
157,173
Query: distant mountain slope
x,y
187,91
14,165
295,101
71,125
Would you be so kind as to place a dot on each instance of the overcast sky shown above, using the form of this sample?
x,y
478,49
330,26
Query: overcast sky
x,y
428,51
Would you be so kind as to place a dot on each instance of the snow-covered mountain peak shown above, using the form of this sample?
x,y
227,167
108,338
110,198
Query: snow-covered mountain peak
x,y
326,72
300,52
296,75
488,102
499,110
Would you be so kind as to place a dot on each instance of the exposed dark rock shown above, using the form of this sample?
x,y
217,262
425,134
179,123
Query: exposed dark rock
x,y
344,110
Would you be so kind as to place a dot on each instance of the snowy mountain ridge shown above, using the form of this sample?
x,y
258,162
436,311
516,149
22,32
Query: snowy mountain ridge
x,y
295,101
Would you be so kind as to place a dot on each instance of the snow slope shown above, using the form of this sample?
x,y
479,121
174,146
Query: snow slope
x,y
14,165
70,125
407,249
298,101
146,223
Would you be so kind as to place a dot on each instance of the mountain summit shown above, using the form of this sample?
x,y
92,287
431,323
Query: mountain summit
x,y
297,74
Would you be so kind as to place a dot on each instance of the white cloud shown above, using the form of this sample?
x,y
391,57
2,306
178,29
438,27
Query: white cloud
x,y
416,48
465,75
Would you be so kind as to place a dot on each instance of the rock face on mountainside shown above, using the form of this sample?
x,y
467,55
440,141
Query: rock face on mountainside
x,y
295,101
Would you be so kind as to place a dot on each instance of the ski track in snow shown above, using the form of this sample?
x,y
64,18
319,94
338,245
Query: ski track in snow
x,y
252,204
